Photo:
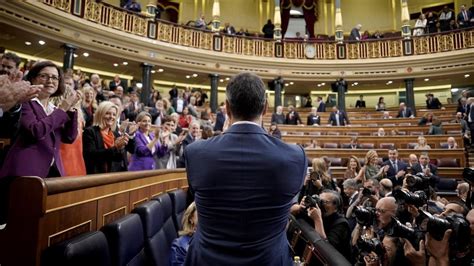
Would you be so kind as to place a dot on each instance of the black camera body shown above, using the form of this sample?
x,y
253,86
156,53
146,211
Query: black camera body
x,y
468,175
460,237
397,229
417,182
417,198
312,201
365,216
366,192
368,245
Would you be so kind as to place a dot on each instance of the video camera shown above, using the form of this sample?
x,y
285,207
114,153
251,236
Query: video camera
x,y
417,198
365,216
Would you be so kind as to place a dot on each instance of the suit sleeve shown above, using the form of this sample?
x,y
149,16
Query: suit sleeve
x,y
39,128
94,153
141,148
69,131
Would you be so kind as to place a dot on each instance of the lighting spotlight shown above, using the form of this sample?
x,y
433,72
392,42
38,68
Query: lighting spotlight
x,y
115,65
291,83
85,54
28,43
467,75
161,70
427,79
41,42
125,63
195,75
153,71
227,78
75,55
188,76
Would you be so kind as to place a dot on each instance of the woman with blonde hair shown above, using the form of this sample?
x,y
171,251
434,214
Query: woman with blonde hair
x,y
353,167
167,107
371,169
179,247
105,149
89,104
318,179
422,145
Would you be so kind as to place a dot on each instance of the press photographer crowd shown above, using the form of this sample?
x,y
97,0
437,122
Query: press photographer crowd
x,y
394,217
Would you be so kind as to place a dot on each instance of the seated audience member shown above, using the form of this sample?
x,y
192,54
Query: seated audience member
x,y
330,224
185,118
385,188
194,134
354,143
404,111
427,169
380,105
360,103
73,153
172,142
321,104
89,105
43,126
377,35
420,25
386,115
274,130
117,82
320,177
396,168
133,6
278,117
432,102
147,144
381,132
314,118
314,144
427,119
435,127
422,145
309,102
353,167
338,118
463,191
180,245
228,29
154,97
292,117
412,160
105,148
452,144
268,29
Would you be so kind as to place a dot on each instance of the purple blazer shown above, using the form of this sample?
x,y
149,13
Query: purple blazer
x,y
143,159
38,141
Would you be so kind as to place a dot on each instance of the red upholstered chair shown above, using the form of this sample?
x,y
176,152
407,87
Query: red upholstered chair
x,y
352,133
335,161
401,133
454,132
447,162
346,145
411,145
387,145
443,145
416,133
404,124
330,145
315,133
333,133
367,145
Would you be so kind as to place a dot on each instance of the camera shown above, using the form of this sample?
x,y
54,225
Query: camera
x,y
368,245
417,182
468,175
366,192
312,201
460,237
365,215
417,198
397,229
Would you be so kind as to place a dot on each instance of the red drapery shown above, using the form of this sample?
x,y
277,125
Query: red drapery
x,y
310,9
171,9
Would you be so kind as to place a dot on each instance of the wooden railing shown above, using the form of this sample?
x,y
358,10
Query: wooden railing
x,y
145,25
43,212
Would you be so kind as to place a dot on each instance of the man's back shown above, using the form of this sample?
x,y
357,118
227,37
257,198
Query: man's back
x,y
243,182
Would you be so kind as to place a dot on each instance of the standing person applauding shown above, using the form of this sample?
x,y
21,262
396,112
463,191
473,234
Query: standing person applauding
x,y
43,127
147,145
105,149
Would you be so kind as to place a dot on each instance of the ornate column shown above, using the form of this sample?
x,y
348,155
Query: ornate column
x,y
216,14
277,22
406,31
68,61
338,23
214,79
410,94
146,82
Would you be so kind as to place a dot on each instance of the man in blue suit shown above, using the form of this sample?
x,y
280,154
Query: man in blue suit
x,y
396,168
243,183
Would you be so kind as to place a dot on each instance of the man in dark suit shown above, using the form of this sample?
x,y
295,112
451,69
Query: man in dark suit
x,y
396,168
292,117
360,103
228,29
220,118
427,169
355,33
338,118
464,17
432,102
313,118
322,105
404,111
116,83
243,217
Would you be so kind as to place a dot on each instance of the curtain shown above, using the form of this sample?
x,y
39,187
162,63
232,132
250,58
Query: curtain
x,y
310,10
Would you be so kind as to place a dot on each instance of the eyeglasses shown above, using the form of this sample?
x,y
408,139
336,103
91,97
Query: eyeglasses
x,y
382,211
46,77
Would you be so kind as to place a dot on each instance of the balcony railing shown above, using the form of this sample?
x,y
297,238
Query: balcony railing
x,y
146,26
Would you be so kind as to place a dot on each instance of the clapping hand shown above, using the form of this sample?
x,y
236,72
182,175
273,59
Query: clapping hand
x,y
121,142
68,103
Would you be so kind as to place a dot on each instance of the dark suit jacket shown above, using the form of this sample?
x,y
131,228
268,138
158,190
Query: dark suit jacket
x,y
292,118
343,120
408,113
433,169
463,23
391,173
435,104
220,120
360,104
244,199
38,141
98,159
113,86
355,35
313,119
278,118
9,126
321,107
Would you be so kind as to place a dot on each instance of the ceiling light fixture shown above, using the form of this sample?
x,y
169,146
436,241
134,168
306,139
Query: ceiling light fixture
x,y
227,78
75,55
323,84
426,79
85,54
41,42
291,83
115,65
28,43
153,71
139,85
161,70
286,84
188,76
319,85
125,63
195,75
467,75
221,80
356,83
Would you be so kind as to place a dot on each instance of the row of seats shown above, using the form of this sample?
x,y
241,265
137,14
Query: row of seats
x,y
442,162
330,145
143,237
335,133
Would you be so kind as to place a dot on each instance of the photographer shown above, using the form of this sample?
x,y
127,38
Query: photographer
x,y
330,224
367,197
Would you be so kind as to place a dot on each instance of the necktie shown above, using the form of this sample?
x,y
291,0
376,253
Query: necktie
x,y
395,166
337,119
465,15
404,113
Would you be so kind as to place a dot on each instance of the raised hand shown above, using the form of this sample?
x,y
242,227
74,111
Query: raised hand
x,y
69,102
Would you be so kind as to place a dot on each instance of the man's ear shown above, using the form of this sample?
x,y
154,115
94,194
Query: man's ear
x,y
265,107
227,109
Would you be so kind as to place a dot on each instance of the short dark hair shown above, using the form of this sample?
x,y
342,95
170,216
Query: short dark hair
x,y
246,96
12,56
36,69
116,96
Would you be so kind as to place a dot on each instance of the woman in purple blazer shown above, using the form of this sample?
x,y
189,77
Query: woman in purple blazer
x,y
43,127
147,145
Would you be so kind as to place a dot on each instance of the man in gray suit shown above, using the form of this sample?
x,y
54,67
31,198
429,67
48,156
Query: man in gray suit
x,y
244,182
